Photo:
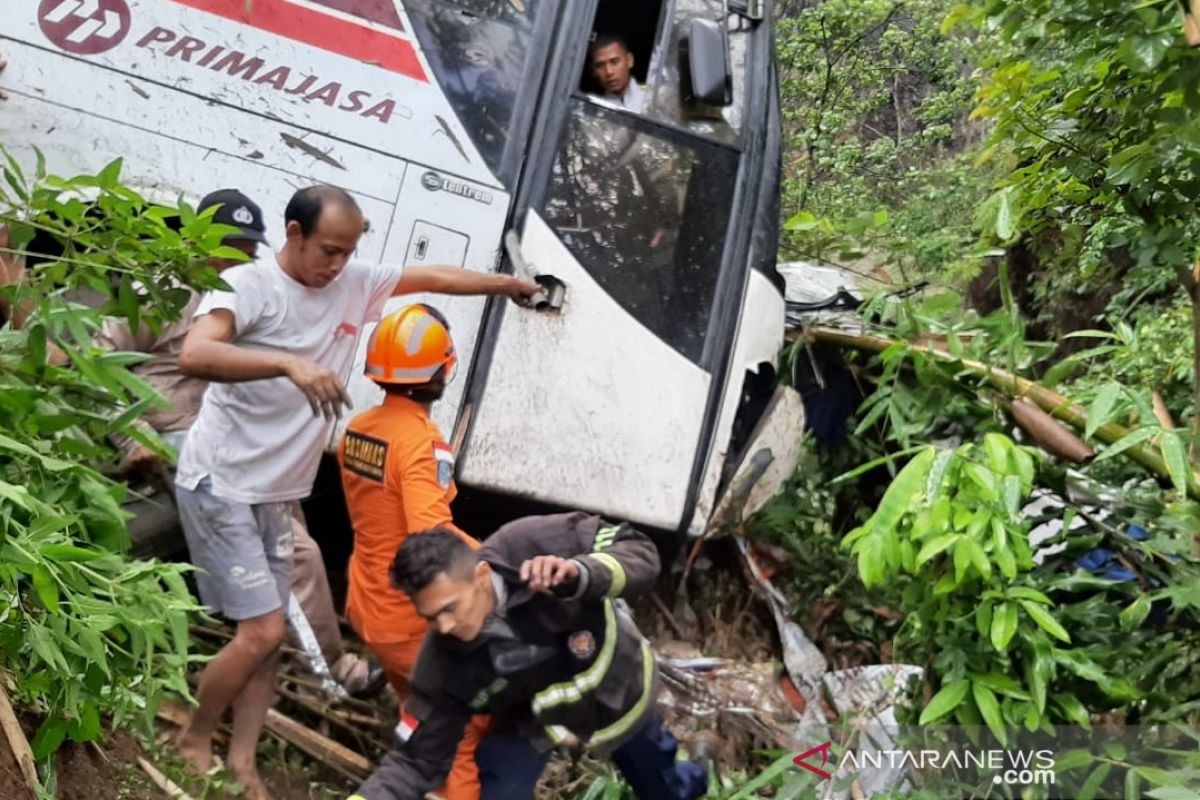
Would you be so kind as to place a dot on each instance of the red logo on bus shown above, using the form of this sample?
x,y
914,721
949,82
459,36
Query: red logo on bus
x,y
365,30
84,27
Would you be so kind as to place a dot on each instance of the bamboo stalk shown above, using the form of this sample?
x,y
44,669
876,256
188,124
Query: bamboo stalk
x,y
322,748
17,741
162,781
347,720
1048,400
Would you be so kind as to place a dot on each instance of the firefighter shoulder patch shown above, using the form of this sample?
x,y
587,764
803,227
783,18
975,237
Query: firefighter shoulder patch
x,y
445,464
582,644
365,455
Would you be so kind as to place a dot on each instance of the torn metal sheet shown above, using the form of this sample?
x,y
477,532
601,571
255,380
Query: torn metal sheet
x,y
805,663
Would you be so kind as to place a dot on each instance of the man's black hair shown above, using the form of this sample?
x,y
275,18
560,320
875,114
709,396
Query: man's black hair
x,y
306,205
425,555
603,40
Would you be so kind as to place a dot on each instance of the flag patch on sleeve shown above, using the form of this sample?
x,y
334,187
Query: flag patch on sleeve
x,y
445,463
407,727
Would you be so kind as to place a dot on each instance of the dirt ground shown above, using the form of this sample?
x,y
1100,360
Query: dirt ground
x,y
108,771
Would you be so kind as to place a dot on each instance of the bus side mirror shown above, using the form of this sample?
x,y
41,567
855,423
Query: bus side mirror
x,y
707,76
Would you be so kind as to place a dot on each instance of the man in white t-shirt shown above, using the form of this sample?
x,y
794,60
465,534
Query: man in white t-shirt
x,y
277,350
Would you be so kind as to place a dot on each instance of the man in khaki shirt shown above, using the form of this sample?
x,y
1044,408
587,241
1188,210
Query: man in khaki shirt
x,y
161,370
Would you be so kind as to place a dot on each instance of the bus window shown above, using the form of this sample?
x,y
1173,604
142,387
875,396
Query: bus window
x,y
645,210
480,51
656,52
637,24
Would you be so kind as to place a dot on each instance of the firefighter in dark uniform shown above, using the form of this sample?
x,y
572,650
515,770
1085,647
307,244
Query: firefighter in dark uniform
x,y
527,629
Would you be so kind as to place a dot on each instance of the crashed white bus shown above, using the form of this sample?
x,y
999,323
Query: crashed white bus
x,y
466,131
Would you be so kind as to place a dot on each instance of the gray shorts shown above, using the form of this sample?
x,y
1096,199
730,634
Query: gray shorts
x,y
244,551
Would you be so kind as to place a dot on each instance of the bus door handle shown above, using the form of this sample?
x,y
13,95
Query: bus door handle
x,y
554,291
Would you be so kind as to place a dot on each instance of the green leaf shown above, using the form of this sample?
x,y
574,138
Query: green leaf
x,y
962,561
875,463
1135,614
945,701
1127,441
997,447
1072,759
1035,678
46,588
935,546
1001,684
1025,593
989,708
978,558
1005,215
49,738
108,177
1175,454
1133,785
1144,53
1093,782
1046,621
1168,792
903,491
1073,709
985,479
872,564
1101,408
983,618
937,473
1004,625
86,727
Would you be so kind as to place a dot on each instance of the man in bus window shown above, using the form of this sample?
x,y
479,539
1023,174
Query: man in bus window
x,y
612,67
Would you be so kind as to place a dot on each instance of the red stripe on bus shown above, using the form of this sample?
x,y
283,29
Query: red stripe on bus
x,y
303,24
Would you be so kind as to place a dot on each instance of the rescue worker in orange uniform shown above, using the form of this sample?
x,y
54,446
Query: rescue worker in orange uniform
x,y
398,477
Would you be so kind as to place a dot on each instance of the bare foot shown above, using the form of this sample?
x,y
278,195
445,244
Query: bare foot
x,y
196,751
252,785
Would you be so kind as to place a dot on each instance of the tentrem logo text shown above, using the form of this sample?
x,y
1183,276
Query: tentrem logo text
x,y
434,182
280,77
1008,767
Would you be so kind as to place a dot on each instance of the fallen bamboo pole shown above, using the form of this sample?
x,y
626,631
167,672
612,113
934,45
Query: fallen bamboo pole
x,y
347,720
17,741
1051,402
322,748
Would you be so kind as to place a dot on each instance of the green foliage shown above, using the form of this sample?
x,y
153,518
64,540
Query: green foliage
x,y
875,101
1095,105
85,630
952,521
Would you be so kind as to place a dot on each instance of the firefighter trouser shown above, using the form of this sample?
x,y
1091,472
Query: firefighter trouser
x,y
397,660
509,766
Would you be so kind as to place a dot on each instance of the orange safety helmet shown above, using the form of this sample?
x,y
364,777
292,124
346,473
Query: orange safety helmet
x,y
410,347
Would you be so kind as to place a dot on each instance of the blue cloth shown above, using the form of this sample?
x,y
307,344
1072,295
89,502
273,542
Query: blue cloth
x,y
1100,562
509,766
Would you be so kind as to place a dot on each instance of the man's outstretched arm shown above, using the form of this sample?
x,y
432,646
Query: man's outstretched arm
x,y
455,280
422,758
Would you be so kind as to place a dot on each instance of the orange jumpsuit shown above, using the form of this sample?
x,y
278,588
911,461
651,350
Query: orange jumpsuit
x,y
398,477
